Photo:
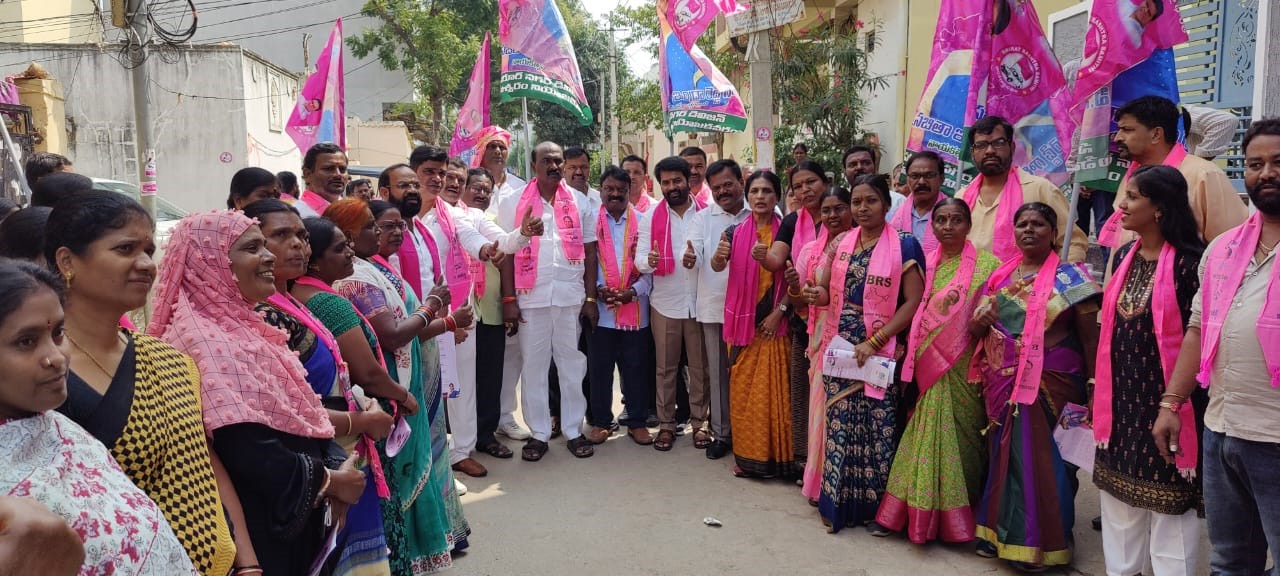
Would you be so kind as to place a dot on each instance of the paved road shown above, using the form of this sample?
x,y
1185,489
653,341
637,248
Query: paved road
x,y
631,510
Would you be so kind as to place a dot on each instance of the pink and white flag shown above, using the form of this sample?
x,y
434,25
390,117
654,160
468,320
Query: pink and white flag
x,y
320,115
474,113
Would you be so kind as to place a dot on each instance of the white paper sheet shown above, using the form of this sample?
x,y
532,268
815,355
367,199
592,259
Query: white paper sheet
x,y
839,362
448,366
1074,437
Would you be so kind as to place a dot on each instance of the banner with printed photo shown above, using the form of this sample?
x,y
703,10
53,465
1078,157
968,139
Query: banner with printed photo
x,y
538,59
696,97
474,113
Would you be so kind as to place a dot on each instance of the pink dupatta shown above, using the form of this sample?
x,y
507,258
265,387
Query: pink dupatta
x,y
410,263
1111,233
879,293
902,220
740,296
457,267
805,233
1223,273
662,236
703,197
645,202
1002,242
1031,354
946,311
1169,333
620,274
566,221
314,201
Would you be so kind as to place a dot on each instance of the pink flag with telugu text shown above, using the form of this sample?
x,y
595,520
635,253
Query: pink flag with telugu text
x,y
535,29
320,115
1121,34
474,113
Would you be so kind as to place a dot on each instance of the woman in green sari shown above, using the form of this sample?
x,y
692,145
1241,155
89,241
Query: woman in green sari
x,y
938,471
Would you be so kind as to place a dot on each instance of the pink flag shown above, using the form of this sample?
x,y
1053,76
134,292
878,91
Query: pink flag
x,y
320,114
689,18
1123,33
474,113
535,29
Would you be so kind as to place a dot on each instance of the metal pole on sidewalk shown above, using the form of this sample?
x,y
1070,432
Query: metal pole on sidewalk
x,y
1073,201
528,139
144,137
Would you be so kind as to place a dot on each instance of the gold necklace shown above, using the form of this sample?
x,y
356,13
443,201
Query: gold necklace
x,y
110,375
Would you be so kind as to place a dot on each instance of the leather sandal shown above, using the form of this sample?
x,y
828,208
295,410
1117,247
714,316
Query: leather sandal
x,y
533,450
581,447
640,436
666,439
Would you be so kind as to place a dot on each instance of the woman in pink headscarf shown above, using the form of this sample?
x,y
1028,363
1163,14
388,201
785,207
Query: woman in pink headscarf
x,y
266,424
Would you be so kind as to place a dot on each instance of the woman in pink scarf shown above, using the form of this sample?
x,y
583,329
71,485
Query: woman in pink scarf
x,y
1037,322
873,282
1144,314
755,311
266,424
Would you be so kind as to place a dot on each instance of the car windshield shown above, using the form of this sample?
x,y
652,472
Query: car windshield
x,y
165,210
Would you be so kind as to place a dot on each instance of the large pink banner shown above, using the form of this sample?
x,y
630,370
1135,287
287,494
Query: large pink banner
x,y
1121,34
320,115
474,113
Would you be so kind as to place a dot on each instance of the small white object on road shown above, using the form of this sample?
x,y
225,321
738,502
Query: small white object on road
x,y
712,522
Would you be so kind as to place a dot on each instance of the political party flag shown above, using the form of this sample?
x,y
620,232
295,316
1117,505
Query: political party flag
x,y
696,97
689,18
1026,86
474,113
949,104
1128,53
538,60
320,114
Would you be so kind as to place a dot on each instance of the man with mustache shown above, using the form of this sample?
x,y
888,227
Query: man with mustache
x,y
1231,346
638,169
1000,189
674,301
577,168
493,147
924,172
1147,133
697,160
441,237
324,171
545,288
706,232
860,160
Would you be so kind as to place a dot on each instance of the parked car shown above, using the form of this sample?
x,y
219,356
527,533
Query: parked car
x,y
167,214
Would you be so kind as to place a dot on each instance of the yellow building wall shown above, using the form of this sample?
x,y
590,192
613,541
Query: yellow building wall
x,y
50,21
921,25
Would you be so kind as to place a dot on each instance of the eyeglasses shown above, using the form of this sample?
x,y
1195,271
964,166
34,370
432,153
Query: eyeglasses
x,y
997,144
922,176
406,186
400,225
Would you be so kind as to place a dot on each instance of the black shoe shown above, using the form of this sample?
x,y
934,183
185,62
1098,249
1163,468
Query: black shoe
x,y
651,421
718,449
624,417
1097,523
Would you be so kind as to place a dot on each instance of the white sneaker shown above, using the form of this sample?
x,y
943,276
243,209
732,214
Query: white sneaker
x,y
513,431
462,488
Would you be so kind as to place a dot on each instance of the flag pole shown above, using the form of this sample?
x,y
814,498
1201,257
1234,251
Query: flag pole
x,y
528,138
1073,203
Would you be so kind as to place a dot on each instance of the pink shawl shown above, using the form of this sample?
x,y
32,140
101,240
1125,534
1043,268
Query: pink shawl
x,y
703,197
740,296
1112,233
1169,333
880,291
1031,355
410,263
661,237
1223,273
621,274
457,266
314,201
945,311
247,372
902,220
566,221
645,202
1002,242
805,233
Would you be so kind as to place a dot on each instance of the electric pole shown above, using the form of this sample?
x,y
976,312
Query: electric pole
x,y
306,54
613,100
143,135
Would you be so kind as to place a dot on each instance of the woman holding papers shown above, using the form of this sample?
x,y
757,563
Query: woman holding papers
x,y
1037,323
755,325
939,469
1149,505
873,281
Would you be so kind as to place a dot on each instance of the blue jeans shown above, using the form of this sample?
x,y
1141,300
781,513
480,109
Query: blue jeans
x,y
1242,504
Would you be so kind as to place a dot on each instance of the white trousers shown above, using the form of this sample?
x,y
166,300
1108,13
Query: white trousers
x,y
462,410
552,332
1134,539
512,364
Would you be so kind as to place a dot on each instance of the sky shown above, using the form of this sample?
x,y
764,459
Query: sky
x,y
639,60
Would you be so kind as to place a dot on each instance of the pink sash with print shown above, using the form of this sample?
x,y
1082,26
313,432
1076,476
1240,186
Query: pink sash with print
x,y
902,220
1002,242
566,222
662,236
314,201
946,311
410,264
457,268
619,274
1031,355
740,297
805,233
880,291
1223,273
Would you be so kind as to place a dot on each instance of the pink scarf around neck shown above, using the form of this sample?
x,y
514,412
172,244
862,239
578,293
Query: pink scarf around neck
x,y
662,236
411,262
904,219
703,197
1169,333
645,202
806,232
457,267
567,222
620,274
1031,355
314,201
946,311
1223,273
740,296
1002,242
880,289
1112,235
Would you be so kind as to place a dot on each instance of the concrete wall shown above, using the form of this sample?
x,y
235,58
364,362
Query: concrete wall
x,y
887,107
270,92
274,30
378,143
51,21
200,107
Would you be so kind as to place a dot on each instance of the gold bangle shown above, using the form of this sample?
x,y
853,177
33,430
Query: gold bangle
x,y
1171,406
591,300
1175,395
794,294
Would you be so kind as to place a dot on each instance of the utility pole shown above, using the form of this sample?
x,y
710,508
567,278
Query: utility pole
x,y
306,54
760,62
613,100
143,135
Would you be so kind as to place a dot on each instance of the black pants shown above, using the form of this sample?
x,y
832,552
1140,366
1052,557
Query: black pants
x,y
491,341
625,349
553,384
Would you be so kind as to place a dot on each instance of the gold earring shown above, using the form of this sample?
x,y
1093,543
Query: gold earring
x,y
67,276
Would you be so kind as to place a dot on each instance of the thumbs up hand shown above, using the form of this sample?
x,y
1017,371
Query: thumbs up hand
x,y
690,258
655,255
759,251
496,255
793,277
721,257
530,226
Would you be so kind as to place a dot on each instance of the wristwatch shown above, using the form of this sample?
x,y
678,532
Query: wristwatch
x,y
783,308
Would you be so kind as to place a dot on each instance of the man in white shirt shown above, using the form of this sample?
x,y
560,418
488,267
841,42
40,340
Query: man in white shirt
x,y
697,159
493,157
577,169
674,299
545,288
638,169
324,171
706,230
